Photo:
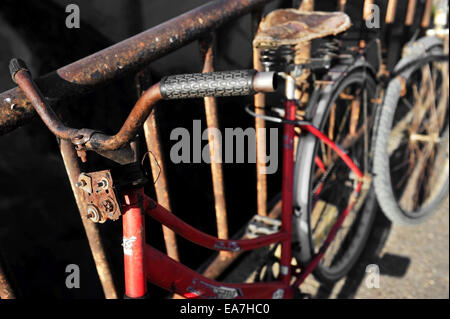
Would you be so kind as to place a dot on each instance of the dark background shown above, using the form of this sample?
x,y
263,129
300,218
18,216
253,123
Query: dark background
x,y
40,228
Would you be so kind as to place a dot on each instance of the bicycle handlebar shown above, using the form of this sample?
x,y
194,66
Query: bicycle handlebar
x,y
228,83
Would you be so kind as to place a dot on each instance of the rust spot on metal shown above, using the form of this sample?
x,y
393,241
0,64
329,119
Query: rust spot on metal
x,y
157,166
133,123
160,180
207,51
48,116
98,253
98,190
367,12
261,178
307,5
403,90
410,13
427,14
391,11
342,4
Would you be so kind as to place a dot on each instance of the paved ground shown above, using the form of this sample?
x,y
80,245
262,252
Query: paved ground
x,y
413,262
424,253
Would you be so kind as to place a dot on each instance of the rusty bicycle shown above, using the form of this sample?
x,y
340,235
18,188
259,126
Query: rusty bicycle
x,y
330,116
319,171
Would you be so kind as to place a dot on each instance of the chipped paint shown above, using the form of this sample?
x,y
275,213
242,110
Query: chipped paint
x,y
128,244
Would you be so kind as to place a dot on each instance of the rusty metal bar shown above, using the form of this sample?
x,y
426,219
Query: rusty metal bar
x,y
342,4
261,177
215,148
260,101
367,9
160,179
6,291
391,11
70,159
410,13
427,14
24,80
157,164
307,5
129,55
222,261
303,54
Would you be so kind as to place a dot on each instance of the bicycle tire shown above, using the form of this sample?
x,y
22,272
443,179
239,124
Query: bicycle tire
x,y
384,162
303,184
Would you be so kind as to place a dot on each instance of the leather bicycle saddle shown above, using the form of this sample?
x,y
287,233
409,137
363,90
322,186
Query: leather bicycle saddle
x,y
292,27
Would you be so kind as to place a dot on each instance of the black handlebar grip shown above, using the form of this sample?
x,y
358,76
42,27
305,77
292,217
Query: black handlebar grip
x,y
16,65
195,85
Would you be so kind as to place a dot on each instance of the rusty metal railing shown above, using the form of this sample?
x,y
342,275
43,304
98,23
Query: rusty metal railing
x,y
130,55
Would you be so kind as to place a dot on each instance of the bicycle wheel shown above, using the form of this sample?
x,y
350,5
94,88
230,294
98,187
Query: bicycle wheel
x,y
411,164
324,185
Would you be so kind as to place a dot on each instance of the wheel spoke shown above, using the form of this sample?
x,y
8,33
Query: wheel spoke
x,y
348,124
407,103
398,132
366,135
331,128
354,117
439,167
425,101
444,94
409,196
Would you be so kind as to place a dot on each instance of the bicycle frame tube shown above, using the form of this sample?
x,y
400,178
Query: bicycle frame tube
x,y
348,161
177,278
171,275
318,257
133,244
144,262
287,190
168,219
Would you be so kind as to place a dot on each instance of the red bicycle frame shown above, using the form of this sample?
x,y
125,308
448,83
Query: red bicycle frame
x,y
143,262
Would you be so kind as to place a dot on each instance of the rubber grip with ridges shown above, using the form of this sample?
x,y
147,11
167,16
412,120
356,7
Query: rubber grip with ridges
x,y
16,65
196,85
